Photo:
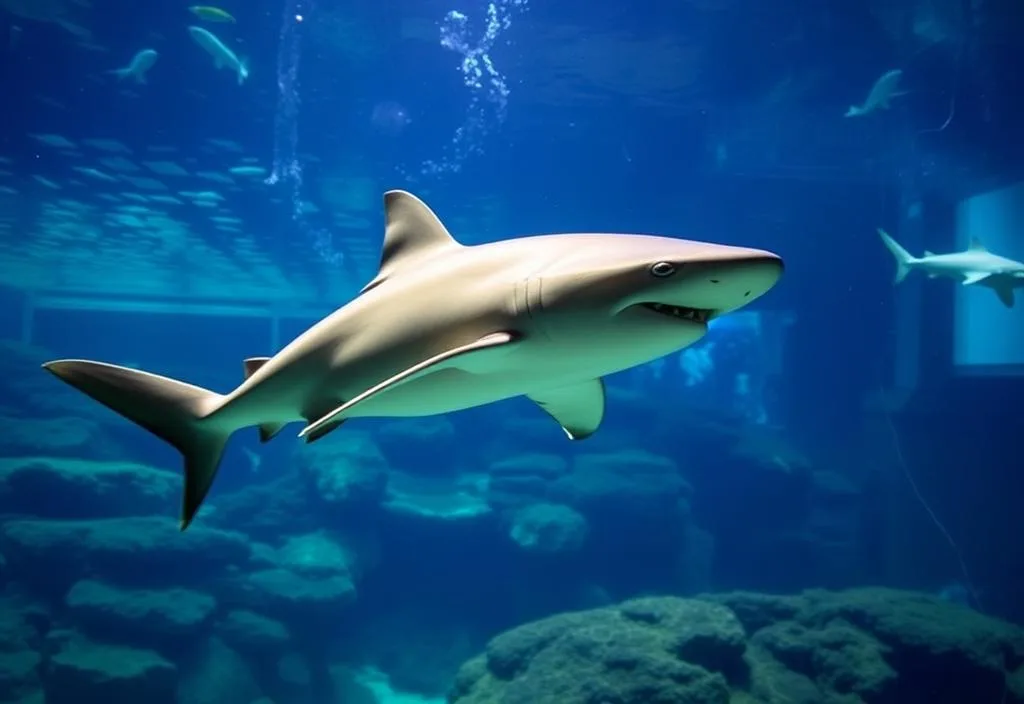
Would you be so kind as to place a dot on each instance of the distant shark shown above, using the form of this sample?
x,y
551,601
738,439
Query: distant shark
x,y
445,327
974,265
138,67
882,92
223,57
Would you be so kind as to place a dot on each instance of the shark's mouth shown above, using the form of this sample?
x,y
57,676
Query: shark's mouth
x,y
694,315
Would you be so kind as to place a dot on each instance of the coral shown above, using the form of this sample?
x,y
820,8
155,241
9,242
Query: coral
x,y
345,471
51,554
291,595
862,646
51,487
84,671
440,498
213,673
252,632
142,614
635,486
56,436
522,479
646,651
20,659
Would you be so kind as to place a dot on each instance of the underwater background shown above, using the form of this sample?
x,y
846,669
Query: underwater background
x,y
817,503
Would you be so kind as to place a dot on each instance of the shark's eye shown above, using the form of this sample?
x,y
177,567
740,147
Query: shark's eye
x,y
663,269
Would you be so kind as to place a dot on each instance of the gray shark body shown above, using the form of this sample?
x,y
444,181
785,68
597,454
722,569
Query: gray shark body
x,y
445,327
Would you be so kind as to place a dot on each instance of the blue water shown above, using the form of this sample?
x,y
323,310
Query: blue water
x,y
832,435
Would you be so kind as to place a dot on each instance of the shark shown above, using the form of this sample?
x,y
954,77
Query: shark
x,y
223,57
138,67
972,266
882,92
446,326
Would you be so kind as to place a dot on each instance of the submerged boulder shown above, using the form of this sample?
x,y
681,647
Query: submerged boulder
x,y
141,551
21,625
139,614
862,646
85,671
646,651
548,528
53,487
346,471
309,575
248,631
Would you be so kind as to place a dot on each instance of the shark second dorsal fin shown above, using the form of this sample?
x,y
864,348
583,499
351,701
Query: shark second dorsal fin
x,y
976,245
412,233
252,365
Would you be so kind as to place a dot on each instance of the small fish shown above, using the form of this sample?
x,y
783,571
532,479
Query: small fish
x,y
93,173
882,92
211,14
247,170
138,66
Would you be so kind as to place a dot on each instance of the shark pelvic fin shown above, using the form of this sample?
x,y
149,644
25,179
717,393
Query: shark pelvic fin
x,y
1005,294
579,409
316,429
252,365
412,234
269,430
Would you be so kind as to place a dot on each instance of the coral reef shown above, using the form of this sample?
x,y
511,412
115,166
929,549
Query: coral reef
x,y
385,556
864,646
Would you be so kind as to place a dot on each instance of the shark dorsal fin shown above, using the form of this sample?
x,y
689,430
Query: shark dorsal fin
x,y
976,245
412,233
929,253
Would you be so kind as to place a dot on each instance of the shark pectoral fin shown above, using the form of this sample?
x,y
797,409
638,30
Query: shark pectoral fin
x,y
496,339
1005,294
252,365
579,409
975,277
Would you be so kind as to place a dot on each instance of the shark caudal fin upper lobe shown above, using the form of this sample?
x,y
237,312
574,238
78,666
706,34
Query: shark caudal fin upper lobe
x,y
171,410
902,256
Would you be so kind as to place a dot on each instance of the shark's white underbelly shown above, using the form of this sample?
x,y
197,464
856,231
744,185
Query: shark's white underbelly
x,y
450,390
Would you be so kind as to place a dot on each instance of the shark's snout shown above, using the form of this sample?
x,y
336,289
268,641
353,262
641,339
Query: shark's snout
x,y
723,284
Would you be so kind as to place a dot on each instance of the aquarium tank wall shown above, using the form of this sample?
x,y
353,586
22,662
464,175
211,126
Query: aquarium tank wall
x,y
511,352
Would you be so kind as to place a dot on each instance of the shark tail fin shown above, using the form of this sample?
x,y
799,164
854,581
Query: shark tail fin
x,y
902,256
171,410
